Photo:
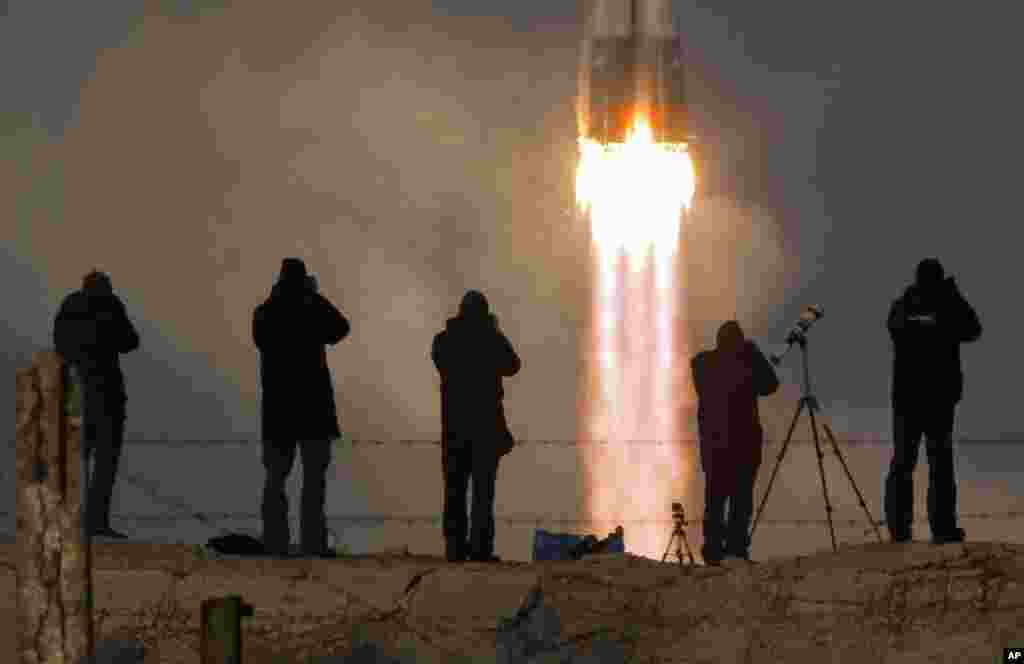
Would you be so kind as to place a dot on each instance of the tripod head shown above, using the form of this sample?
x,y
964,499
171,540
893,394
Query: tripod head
x,y
798,333
678,516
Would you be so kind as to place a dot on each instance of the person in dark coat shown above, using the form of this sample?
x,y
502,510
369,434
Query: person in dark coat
x,y
91,331
927,324
290,330
472,355
728,381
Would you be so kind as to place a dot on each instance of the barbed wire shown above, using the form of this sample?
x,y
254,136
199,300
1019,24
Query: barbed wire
x,y
537,519
186,512
212,442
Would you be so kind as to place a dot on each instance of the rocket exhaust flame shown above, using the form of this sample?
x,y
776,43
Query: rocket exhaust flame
x,y
634,181
635,191
635,195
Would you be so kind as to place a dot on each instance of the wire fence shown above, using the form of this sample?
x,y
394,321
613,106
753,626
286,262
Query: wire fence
x,y
186,512
182,511
372,442
535,519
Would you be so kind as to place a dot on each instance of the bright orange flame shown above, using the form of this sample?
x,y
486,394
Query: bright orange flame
x,y
635,194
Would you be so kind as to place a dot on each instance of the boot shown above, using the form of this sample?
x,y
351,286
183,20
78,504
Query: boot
x,y
955,535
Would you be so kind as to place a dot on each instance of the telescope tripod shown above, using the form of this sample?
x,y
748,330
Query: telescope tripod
x,y
679,536
810,402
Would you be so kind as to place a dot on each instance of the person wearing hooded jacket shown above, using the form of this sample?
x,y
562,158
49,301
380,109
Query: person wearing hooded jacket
x,y
90,332
290,329
927,324
728,381
472,355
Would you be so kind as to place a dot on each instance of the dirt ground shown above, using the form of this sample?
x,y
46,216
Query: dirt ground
x,y
878,602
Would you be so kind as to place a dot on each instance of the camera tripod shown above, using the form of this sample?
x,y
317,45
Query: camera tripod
x,y
679,536
810,402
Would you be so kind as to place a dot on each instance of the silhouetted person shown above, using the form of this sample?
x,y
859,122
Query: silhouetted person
x,y
927,325
729,381
472,355
290,330
91,331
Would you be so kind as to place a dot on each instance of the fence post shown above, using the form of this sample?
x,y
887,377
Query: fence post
x,y
55,567
220,640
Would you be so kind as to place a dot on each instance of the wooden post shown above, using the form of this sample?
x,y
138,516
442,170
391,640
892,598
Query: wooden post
x,y
55,567
220,640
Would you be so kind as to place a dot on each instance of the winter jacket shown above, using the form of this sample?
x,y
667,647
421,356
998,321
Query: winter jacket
x,y
729,380
91,331
472,355
290,329
926,356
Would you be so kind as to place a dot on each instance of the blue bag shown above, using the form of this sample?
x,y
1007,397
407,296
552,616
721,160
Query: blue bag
x,y
553,546
557,546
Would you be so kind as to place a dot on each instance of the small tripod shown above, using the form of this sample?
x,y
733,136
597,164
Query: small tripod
x,y
809,401
679,535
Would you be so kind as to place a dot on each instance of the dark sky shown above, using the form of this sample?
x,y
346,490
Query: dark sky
x,y
410,152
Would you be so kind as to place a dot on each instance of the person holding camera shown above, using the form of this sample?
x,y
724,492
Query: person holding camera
x,y
927,324
728,381
472,355
92,330
291,329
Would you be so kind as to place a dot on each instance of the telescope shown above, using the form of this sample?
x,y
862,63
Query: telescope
x,y
798,336
798,333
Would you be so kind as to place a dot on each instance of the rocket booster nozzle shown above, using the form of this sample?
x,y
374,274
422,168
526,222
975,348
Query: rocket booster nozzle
x,y
632,63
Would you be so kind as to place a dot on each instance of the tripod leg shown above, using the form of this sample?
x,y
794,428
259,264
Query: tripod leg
x,y
778,462
835,448
821,473
669,547
689,552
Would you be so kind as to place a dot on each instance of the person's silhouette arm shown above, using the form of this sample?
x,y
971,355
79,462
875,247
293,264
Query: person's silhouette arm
x,y
126,337
898,323
261,333
337,326
971,329
963,323
65,340
437,355
766,381
510,363
698,372
508,360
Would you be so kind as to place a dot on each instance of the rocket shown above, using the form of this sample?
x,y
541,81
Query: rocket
x,y
632,65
